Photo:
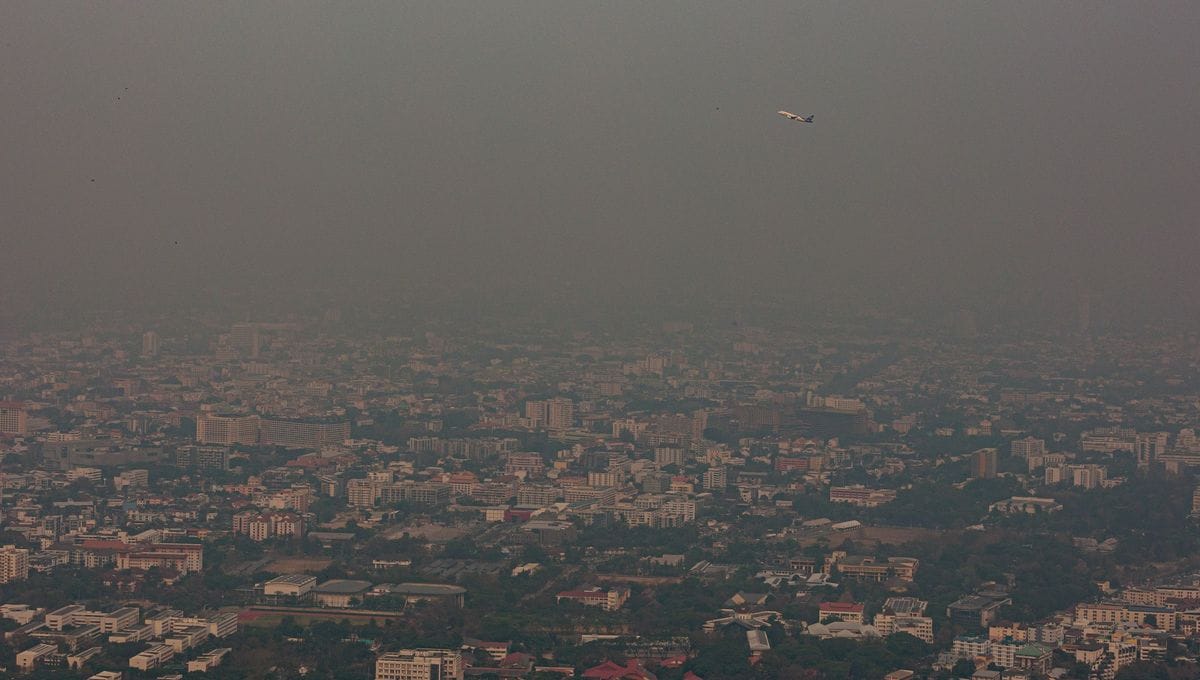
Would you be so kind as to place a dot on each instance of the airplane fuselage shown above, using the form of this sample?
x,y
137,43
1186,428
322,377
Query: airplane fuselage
x,y
791,116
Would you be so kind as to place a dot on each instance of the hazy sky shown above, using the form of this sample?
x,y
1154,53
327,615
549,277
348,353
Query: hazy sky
x,y
997,153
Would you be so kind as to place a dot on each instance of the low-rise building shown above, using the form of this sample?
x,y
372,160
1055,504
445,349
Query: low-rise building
x,y
851,612
134,634
1162,618
22,614
861,496
183,638
153,657
185,558
904,615
290,585
30,658
869,568
77,660
208,660
420,664
976,611
968,647
1034,657
608,599
341,592
441,593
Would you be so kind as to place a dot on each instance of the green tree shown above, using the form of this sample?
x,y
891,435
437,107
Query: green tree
x,y
963,668
1144,670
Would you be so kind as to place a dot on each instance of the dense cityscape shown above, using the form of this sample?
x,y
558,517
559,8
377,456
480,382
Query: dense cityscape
x,y
544,340
304,498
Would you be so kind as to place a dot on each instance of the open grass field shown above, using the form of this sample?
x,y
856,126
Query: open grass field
x,y
434,533
297,565
269,617
872,535
273,620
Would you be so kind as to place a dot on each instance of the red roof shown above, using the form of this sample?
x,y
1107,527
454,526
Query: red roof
x,y
613,671
841,607
605,671
515,659
98,544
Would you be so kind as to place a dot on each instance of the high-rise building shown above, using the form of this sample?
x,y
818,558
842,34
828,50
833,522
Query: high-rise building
x,y
261,526
245,338
715,478
1186,439
420,664
1149,445
1088,476
529,463
537,494
302,434
560,413
604,479
699,424
210,457
227,428
1084,314
131,479
682,506
150,344
416,493
1055,474
14,564
1029,446
669,455
330,485
557,413
983,464
362,493
536,413
13,419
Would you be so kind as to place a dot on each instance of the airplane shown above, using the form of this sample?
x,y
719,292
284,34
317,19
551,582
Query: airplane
x,y
792,116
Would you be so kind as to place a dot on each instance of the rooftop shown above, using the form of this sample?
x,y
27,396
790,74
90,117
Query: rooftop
x,y
974,602
841,607
424,589
293,579
340,586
